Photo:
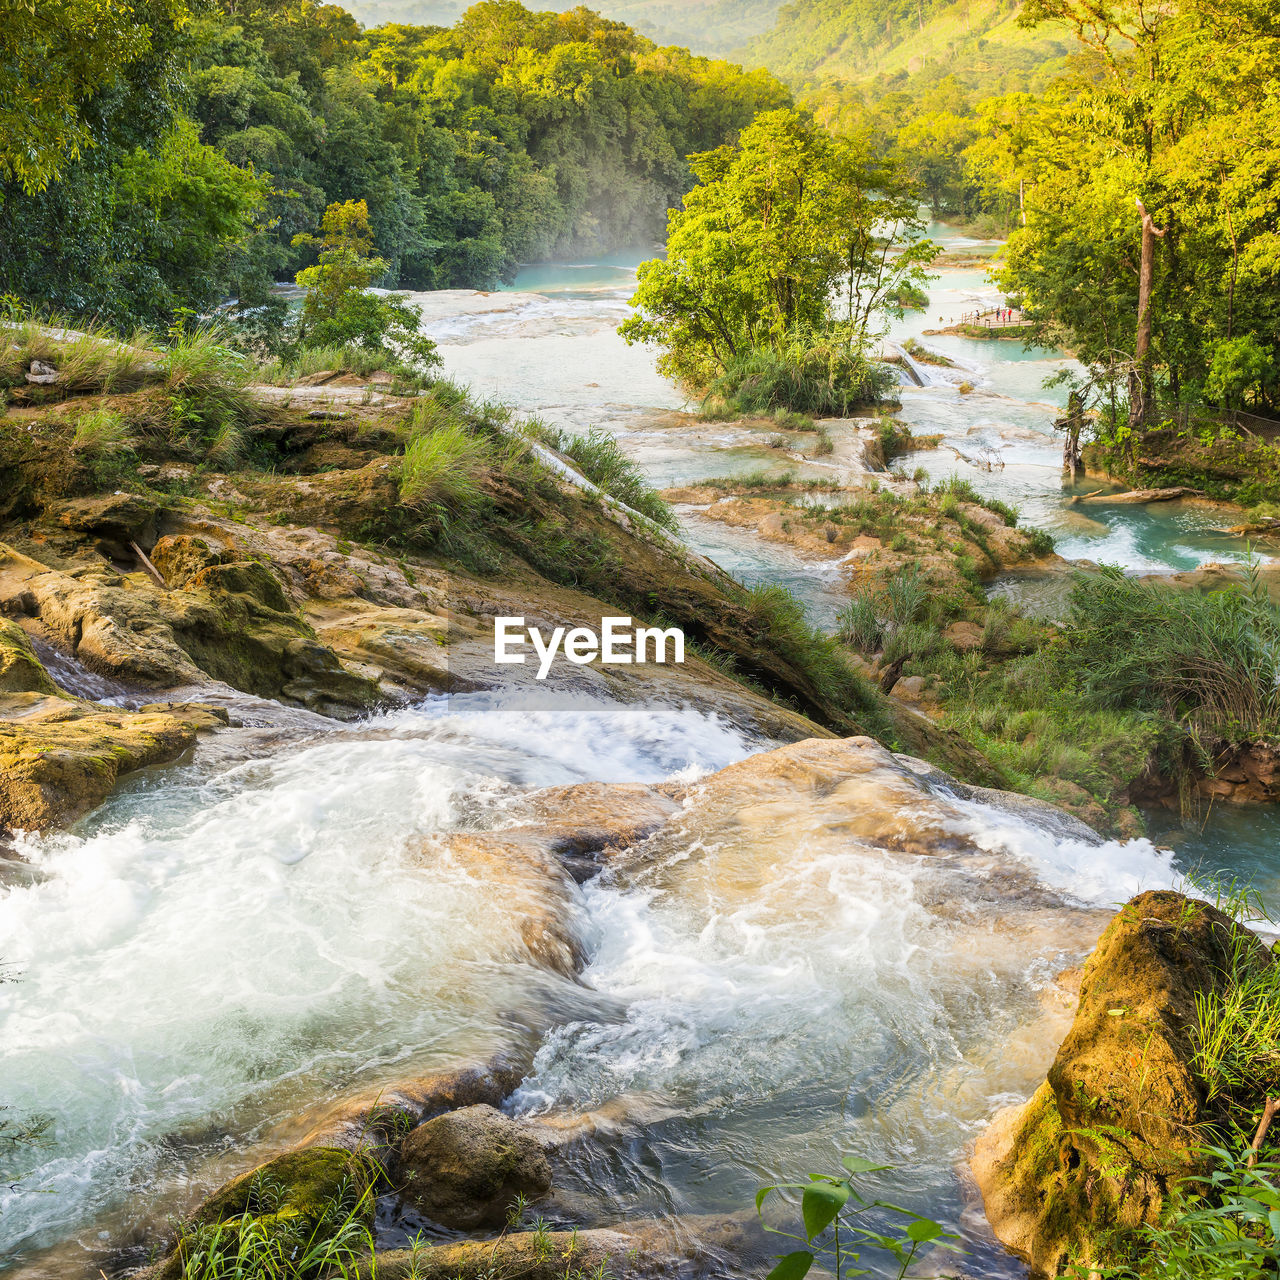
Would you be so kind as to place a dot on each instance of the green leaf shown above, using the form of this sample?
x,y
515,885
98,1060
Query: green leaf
x,y
793,1266
923,1230
820,1204
856,1164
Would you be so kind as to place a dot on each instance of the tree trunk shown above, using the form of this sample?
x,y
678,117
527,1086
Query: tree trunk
x,y
1071,423
1140,375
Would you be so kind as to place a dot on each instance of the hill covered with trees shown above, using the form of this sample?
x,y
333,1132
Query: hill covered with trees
x,y
704,26
823,41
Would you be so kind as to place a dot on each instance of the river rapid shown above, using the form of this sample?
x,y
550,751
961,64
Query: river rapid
x,y
225,943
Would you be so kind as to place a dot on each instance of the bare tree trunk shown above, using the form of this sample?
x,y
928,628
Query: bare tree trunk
x,y
1140,377
1071,424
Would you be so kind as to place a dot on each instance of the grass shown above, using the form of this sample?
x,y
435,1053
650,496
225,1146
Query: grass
x,y
100,428
598,456
1209,663
779,620
443,464
306,362
271,1245
86,355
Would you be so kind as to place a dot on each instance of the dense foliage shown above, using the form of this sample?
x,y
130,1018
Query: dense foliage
x,y
190,167
779,225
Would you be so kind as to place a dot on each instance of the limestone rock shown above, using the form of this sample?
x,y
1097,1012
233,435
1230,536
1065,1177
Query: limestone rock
x,y
465,1169
1096,1148
20,669
645,1250
964,635
60,758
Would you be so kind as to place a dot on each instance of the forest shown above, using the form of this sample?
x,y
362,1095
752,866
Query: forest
x,y
182,151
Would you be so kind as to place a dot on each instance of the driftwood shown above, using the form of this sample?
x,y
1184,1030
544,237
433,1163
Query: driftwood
x,y
1135,496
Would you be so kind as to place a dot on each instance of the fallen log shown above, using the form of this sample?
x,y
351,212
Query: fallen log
x,y
1136,496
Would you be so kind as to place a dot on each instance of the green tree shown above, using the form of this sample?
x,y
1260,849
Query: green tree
x,y
779,226
55,56
339,309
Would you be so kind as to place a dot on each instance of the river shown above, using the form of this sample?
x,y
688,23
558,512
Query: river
x,y
227,941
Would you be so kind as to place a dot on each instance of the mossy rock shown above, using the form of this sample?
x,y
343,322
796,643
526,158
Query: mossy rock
x,y
20,669
301,1196
1077,1172
60,758
467,1168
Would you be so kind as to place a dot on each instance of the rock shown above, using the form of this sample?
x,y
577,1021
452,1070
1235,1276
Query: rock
x,y
1074,799
297,1197
465,1169
1097,1147
60,758
42,374
909,689
20,670
232,621
964,635
644,1250
180,558
379,1114
538,891
120,517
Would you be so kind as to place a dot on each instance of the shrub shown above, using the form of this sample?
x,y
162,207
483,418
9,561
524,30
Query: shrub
x,y
813,373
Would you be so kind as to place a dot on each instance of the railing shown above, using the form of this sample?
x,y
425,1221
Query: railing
x,y
1185,416
991,318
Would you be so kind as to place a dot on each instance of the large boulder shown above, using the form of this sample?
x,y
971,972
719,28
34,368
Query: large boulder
x,y
1091,1157
466,1169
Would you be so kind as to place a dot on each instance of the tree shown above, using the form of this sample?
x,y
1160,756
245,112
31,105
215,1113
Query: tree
x,y
778,226
339,309
55,56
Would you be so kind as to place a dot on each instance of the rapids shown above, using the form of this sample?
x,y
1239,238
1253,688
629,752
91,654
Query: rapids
x,y
230,941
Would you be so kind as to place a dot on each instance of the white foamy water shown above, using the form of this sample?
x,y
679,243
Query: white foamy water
x,y
213,949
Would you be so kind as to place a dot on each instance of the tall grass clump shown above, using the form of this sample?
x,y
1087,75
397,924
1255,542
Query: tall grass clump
x,y
100,428
443,464
779,621
205,381
268,1242
599,458
1208,662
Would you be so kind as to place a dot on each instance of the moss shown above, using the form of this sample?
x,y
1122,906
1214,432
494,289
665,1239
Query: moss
x,y
1123,1114
20,669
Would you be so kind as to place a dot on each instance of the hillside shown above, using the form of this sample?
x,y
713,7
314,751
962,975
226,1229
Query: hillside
x,y
979,40
704,26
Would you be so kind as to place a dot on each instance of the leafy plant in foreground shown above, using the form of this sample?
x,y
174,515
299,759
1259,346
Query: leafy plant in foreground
x,y
833,1226
1223,1226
